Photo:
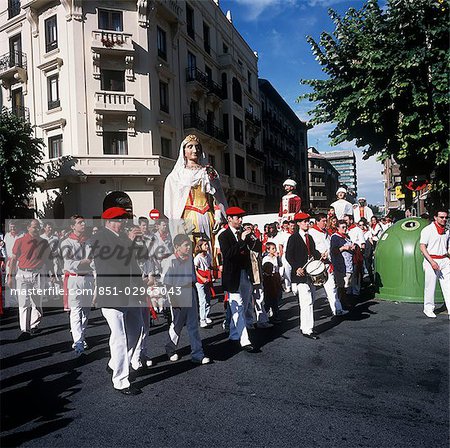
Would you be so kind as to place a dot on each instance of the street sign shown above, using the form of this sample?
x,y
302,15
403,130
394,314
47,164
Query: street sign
x,y
154,214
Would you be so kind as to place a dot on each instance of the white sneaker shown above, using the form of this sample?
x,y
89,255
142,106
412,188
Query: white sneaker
x,y
204,360
208,320
174,357
203,324
85,345
429,314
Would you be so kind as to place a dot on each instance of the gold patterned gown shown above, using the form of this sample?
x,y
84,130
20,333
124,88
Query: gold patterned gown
x,y
199,214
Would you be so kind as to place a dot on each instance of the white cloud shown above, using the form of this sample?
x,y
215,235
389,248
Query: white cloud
x,y
323,3
257,7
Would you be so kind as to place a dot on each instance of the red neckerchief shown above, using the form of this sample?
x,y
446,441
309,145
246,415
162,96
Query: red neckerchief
x,y
331,231
316,227
352,226
81,239
177,255
374,225
439,228
342,235
164,235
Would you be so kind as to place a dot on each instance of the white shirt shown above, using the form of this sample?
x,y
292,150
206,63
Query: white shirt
x,y
376,232
321,240
367,213
357,236
342,207
203,263
436,244
274,261
9,242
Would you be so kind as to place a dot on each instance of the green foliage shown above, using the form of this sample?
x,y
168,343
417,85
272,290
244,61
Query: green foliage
x,y
20,163
388,85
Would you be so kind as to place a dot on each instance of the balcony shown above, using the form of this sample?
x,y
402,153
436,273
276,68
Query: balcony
x,y
255,153
193,121
317,184
316,197
252,119
13,68
114,102
169,9
203,83
316,169
20,112
111,42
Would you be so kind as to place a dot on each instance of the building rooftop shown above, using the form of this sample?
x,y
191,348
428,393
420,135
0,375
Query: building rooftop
x,y
339,154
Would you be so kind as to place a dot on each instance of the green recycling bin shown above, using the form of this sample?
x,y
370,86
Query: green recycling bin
x,y
399,273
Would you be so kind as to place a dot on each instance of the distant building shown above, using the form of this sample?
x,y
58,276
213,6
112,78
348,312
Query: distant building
x,y
393,196
345,164
284,145
323,181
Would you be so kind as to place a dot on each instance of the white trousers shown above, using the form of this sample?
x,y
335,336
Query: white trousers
x,y
431,276
241,309
331,292
258,305
287,270
30,303
141,352
306,296
80,292
125,325
188,316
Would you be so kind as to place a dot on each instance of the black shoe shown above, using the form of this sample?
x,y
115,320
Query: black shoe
x,y
35,331
130,391
248,348
311,336
108,369
24,336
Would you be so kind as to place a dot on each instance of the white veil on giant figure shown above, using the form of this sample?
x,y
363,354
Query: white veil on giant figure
x,y
185,191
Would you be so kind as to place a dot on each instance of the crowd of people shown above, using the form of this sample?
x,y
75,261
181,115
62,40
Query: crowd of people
x,y
139,271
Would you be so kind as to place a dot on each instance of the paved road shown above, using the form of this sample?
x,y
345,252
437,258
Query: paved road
x,y
379,378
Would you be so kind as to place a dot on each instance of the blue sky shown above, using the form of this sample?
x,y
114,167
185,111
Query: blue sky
x,y
277,30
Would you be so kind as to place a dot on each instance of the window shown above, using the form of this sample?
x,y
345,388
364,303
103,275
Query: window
x,y
161,43
13,8
55,147
238,130
53,91
227,164
115,143
164,96
240,167
110,20
211,160
224,86
224,48
253,176
51,34
15,51
112,80
190,22
249,80
226,126
166,147
193,107
208,72
192,65
206,41
237,92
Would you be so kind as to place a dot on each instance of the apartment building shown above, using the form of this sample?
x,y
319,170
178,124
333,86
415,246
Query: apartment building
x,y
345,164
284,147
323,181
113,87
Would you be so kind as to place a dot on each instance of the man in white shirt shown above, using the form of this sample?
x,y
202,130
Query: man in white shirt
x,y
434,245
341,206
281,241
322,241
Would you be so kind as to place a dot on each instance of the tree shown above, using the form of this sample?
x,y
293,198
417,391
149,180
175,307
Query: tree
x,y
388,85
20,163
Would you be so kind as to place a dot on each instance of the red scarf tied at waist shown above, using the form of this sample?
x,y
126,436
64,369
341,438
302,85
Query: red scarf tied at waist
x,y
208,275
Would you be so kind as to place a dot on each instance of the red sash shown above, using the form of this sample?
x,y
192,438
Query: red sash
x,y
208,275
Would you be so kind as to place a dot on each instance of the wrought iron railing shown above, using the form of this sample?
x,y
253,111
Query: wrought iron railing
x,y
13,59
194,74
20,112
195,122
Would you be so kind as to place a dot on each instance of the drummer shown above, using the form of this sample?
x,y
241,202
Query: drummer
x,y
299,251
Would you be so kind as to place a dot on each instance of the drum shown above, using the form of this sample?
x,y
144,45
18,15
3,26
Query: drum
x,y
317,271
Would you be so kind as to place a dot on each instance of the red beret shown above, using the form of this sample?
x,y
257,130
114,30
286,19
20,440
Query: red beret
x,y
235,211
114,213
301,216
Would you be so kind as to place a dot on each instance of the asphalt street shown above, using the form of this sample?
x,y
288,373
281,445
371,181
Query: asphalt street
x,y
377,378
